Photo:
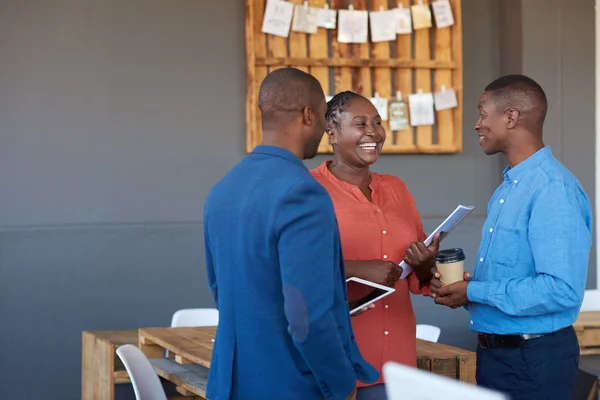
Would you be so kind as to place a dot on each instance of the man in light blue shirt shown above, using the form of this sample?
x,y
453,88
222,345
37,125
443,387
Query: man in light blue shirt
x,y
531,267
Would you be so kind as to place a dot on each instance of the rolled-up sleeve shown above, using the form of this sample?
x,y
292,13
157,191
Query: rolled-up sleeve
x,y
559,234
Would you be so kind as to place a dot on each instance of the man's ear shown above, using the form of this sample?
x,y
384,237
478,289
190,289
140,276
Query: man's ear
x,y
308,116
512,117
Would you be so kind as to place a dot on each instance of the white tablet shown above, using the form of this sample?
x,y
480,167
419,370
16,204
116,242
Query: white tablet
x,y
378,293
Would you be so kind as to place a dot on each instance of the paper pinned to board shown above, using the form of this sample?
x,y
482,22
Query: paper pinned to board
x,y
445,228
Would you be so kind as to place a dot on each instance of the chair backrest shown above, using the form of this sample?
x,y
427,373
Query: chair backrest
x,y
146,383
407,383
195,317
428,332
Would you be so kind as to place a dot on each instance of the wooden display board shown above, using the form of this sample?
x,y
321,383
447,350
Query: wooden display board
x,y
427,60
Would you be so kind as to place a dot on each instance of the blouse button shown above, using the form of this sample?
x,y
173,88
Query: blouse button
x,y
385,256
384,232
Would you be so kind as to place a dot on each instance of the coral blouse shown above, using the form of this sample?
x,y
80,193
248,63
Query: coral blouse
x,y
379,230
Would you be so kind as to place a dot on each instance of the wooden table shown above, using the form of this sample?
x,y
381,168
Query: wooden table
x,y
191,350
587,328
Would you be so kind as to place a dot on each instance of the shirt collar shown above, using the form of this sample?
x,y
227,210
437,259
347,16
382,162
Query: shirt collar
x,y
519,170
278,152
323,169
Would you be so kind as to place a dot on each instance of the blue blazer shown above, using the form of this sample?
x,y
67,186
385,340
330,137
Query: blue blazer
x,y
276,273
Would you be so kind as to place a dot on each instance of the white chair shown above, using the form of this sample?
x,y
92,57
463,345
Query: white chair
x,y
428,332
195,317
406,383
146,383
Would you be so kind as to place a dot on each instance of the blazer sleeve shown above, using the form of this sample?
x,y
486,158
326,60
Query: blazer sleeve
x,y
307,229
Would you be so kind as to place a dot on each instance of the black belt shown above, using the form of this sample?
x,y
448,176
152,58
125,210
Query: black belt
x,y
489,340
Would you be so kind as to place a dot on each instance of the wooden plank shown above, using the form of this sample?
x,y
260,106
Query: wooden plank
x,y
191,345
191,377
587,319
276,47
319,48
256,46
423,81
443,79
382,76
467,368
447,360
403,83
100,367
340,61
361,77
298,44
342,73
457,74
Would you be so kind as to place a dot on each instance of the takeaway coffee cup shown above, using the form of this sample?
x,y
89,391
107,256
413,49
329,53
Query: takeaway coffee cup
x,y
451,265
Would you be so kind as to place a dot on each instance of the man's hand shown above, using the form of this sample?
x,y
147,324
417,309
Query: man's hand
x,y
453,295
422,258
381,272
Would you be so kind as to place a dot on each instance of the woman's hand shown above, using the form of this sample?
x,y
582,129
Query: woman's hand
x,y
422,258
352,305
381,272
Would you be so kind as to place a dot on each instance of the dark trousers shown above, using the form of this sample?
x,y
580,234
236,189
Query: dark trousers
x,y
543,368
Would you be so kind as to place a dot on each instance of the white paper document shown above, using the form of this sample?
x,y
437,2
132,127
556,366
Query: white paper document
x,y
278,18
445,99
442,12
383,25
403,21
305,19
445,228
421,109
353,26
381,104
403,383
327,18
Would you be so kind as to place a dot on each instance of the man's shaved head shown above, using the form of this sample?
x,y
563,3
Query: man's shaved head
x,y
292,108
522,93
285,92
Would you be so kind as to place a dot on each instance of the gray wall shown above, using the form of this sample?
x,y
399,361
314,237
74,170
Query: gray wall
x,y
116,117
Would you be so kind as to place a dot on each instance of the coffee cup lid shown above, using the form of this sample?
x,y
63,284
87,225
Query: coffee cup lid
x,y
450,255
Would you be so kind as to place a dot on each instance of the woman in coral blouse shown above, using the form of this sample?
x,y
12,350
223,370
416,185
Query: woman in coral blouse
x,y
379,227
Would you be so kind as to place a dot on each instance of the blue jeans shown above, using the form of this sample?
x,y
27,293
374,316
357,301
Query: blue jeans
x,y
375,392
543,368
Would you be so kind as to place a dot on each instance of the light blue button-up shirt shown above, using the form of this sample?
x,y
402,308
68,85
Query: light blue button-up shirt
x,y
532,263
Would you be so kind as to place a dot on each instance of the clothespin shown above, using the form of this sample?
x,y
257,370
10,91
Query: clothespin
x,y
351,7
420,2
400,5
376,95
326,6
306,5
443,88
399,95
420,91
381,8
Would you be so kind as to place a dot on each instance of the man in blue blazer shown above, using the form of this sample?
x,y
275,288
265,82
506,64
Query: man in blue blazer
x,y
274,263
